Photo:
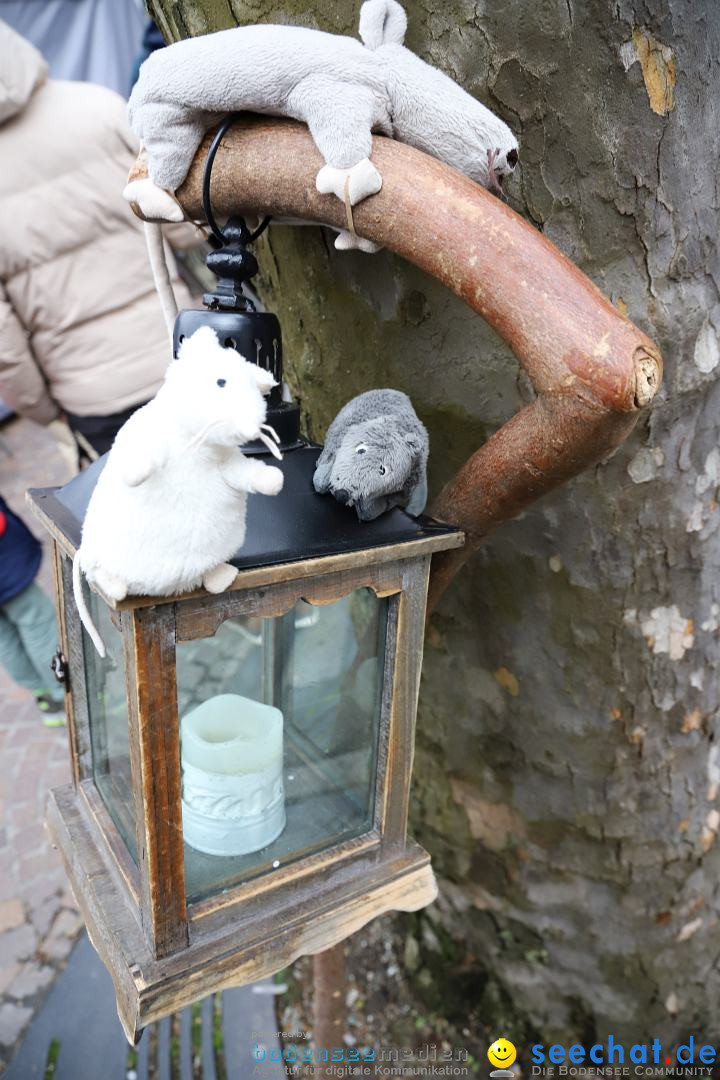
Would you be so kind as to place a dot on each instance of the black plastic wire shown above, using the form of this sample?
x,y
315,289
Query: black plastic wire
x,y
207,176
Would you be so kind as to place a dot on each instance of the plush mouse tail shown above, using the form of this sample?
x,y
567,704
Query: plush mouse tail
x,y
382,22
161,274
85,616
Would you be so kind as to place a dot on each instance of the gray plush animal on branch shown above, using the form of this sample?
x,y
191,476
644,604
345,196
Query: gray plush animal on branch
x,y
375,456
341,89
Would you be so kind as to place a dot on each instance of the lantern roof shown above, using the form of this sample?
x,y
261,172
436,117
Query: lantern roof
x,y
297,524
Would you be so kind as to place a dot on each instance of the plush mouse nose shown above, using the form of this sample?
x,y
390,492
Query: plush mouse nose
x,y
342,496
512,158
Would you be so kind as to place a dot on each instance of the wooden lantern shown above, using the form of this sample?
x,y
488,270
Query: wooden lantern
x,y
323,623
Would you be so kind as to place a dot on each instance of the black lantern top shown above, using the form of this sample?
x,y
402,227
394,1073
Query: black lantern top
x,y
254,335
296,524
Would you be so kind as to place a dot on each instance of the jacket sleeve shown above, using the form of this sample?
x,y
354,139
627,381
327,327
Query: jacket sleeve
x,y
22,383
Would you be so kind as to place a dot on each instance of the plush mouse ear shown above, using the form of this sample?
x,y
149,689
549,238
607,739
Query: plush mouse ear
x,y
382,22
194,346
263,379
414,442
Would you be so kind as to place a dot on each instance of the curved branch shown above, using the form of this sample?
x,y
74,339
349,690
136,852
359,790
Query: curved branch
x,y
592,369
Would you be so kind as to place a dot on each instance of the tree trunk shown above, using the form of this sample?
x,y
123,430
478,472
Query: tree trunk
x,y
567,778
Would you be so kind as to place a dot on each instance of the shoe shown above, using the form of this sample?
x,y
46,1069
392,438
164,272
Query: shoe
x,y
53,711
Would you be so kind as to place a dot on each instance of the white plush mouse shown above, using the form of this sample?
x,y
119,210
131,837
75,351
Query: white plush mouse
x,y
168,510
342,89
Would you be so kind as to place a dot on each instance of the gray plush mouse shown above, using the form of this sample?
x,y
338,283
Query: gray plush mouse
x,y
375,456
342,89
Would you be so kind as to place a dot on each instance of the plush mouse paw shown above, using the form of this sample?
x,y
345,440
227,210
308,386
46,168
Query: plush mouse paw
x,y
321,478
135,473
347,241
369,509
363,180
154,202
418,499
112,586
219,578
269,481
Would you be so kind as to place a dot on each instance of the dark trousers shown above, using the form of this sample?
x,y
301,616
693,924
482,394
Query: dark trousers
x,y
99,431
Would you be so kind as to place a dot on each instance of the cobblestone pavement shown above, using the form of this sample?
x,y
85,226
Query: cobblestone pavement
x,y
38,919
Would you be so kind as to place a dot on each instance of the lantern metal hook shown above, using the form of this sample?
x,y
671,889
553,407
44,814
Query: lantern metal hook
x,y
217,232
230,310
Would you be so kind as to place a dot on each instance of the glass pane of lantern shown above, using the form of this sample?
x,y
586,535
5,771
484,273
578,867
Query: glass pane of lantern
x,y
108,711
279,723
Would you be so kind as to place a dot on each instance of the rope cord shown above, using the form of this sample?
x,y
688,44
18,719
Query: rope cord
x,y
348,206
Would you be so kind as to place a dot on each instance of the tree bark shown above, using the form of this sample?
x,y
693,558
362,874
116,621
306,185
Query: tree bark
x,y
567,778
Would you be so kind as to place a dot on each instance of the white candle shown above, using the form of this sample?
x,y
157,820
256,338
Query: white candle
x,y
232,759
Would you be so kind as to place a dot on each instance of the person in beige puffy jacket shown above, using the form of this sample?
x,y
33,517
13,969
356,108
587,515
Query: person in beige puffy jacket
x,y
82,335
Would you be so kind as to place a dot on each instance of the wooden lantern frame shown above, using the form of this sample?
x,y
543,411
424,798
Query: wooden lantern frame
x,y
162,952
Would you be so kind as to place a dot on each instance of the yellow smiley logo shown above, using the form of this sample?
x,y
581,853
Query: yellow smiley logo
x,y
502,1053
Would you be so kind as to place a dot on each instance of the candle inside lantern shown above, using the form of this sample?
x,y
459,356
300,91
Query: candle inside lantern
x,y
232,758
